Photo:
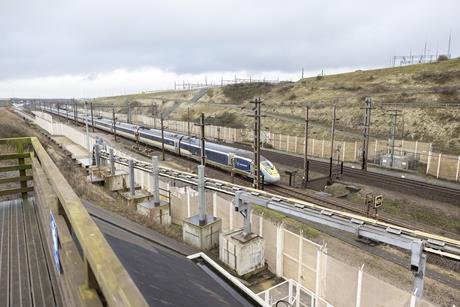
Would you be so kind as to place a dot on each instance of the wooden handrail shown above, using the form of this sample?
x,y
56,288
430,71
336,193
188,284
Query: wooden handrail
x,y
103,270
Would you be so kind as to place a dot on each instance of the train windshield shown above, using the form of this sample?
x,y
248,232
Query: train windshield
x,y
267,164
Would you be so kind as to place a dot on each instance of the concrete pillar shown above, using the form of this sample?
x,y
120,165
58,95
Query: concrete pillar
x,y
131,177
156,181
201,195
98,155
112,162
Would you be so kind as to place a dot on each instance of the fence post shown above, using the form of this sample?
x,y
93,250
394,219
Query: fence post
x,y
299,268
214,204
356,150
318,274
439,165
261,226
375,148
279,250
413,299
322,149
428,162
458,168
359,287
295,144
187,190
230,217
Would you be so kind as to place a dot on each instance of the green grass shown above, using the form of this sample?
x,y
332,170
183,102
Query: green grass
x,y
239,93
308,231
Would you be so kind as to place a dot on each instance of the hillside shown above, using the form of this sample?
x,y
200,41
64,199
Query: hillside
x,y
421,92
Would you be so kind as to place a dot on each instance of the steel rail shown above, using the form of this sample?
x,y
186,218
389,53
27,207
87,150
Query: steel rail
x,y
435,244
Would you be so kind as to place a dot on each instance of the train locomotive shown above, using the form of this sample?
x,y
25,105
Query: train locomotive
x,y
237,161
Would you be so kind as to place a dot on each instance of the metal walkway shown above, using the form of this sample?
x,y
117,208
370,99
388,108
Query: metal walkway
x,y
24,276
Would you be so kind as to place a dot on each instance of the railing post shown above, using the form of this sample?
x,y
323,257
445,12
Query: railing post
x,y
22,172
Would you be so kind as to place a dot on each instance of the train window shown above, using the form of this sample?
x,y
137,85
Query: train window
x,y
267,163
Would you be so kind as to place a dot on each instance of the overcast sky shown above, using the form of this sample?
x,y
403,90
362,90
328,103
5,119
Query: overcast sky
x,y
86,48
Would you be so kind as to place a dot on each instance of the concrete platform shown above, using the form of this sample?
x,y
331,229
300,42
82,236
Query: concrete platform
x,y
158,213
243,254
76,151
204,236
115,182
139,196
24,276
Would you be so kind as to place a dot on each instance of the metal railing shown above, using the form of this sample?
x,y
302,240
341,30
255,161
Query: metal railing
x,y
86,268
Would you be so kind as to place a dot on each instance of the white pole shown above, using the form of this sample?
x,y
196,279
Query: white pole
x,y
295,144
214,204
359,287
356,150
428,162
375,148
279,250
458,168
318,273
322,149
439,165
343,151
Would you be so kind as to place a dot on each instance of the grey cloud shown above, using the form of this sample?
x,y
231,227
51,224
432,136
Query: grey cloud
x,y
51,37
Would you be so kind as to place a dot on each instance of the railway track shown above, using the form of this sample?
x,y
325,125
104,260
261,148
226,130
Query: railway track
x,y
341,204
408,186
434,244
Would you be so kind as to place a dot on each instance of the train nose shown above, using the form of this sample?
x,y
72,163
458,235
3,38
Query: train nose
x,y
271,179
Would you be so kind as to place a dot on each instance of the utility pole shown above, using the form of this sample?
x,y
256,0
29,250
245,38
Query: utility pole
x,y
257,116
332,141
114,123
162,138
154,114
305,156
203,139
394,117
367,126
87,129
92,116
58,106
128,119
188,122
75,112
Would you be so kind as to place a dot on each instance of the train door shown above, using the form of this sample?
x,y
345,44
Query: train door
x,y
231,162
177,145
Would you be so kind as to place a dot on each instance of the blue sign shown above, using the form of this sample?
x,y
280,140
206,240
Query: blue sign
x,y
54,237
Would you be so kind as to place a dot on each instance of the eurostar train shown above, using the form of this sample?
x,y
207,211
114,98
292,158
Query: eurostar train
x,y
231,159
